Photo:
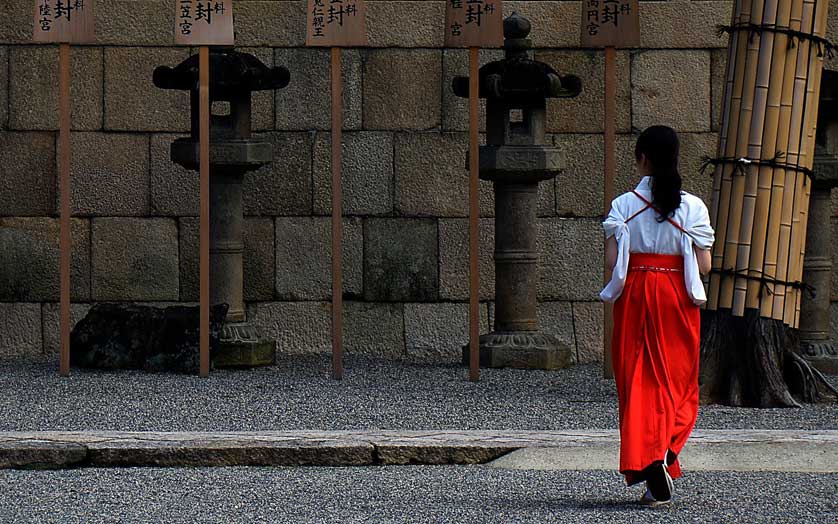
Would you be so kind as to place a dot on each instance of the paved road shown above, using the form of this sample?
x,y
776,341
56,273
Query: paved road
x,y
391,494
375,394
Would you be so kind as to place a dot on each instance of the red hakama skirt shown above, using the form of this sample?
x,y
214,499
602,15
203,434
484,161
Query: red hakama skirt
x,y
655,351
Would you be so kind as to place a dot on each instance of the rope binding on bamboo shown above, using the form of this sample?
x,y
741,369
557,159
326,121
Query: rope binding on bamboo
x,y
824,45
765,281
742,162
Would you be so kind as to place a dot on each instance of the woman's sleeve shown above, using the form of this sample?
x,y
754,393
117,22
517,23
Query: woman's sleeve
x,y
700,229
615,225
614,221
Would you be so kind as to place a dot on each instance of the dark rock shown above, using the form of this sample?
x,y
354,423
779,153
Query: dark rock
x,y
130,336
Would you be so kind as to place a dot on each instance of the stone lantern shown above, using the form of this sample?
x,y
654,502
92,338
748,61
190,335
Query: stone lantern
x,y
815,343
516,158
233,152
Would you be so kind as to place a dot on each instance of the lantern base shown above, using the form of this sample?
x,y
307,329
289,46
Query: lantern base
x,y
821,355
522,350
242,347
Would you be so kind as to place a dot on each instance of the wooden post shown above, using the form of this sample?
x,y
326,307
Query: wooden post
x,y
474,213
608,190
204,101
337,216
64,191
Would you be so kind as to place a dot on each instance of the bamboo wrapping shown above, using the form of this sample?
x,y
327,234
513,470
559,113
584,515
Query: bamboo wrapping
x,y
777,215
772,86
773,138
756,142
808,149
735,213
738,48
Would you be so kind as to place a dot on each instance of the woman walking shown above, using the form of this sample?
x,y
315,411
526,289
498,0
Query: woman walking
x,y
657,243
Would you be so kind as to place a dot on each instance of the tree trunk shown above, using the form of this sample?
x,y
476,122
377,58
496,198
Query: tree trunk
x,y
752,361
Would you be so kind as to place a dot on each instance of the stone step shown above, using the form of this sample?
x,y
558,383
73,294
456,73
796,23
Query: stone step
x,y
738,450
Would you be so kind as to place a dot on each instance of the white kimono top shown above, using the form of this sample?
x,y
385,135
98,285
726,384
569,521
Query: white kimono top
x,y
644,234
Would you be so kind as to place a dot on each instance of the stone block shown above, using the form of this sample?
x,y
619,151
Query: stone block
x,y
374,329
258,259
29,259
16,23
437,332
20,330
402,89
586,112
52,327
262,102
306,102
414,24
4,89
550,22
134,259
132,102
431,176
683,24
718,67
453,259
671,88
367,173
284,186
175,190
109,174
135,23
271,24
297,327
400,260
304,258
587,326
455,109
27,174
556,318
579,186
34,88
571,252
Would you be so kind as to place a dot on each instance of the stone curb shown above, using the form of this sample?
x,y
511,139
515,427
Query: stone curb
x,y
57,450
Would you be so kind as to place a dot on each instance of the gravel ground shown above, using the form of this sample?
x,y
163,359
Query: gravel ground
x,y
375,394
437,494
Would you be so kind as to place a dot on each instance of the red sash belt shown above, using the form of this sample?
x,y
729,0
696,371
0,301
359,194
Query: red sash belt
x,y
655,262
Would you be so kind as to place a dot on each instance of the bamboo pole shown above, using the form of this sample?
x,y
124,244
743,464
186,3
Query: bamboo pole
x,y
64,239
779,216
716,207
773,139
204,258
474,213
337,215
725,171
609,161
756,141
789,242
808,149
735,212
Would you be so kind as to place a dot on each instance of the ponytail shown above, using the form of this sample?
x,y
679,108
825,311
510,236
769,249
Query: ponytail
x,y
660,146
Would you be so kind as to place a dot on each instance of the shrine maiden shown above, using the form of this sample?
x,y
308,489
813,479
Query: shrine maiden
x,y
658,239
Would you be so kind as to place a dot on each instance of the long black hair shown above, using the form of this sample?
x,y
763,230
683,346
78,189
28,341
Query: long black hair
x,y
660,146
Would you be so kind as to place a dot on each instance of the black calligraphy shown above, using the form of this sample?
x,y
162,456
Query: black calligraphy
x,y
192,12
472,12
50,11
604,12
335,14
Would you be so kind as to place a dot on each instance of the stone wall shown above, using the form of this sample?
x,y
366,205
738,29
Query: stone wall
x,y
135,225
